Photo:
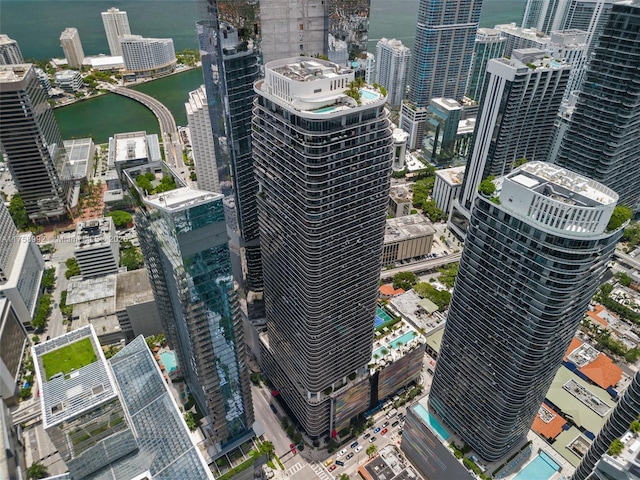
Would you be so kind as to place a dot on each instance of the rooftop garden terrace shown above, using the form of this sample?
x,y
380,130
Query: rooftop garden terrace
x,y
68,358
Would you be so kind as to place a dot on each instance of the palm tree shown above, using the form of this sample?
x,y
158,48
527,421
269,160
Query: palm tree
x,y
36,471
371,450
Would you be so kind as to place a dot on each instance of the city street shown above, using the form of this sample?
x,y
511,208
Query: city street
x,y
64,245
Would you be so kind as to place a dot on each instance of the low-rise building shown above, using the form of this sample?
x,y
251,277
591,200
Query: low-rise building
x,y
447,187
406,237
69,80
399,201
388,464
132,149
97,247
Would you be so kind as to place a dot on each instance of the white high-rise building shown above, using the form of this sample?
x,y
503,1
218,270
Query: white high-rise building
x,y
72,47
570,46
202,141
116,24
10,53
392,66
147,57
519,37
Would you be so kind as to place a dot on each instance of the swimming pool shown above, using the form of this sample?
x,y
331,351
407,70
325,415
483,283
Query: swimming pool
x,y
431,421
402,340
540,468
369,95
169,361
325,109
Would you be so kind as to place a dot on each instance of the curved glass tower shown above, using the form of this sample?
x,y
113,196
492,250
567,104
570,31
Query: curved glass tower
x,y
534,256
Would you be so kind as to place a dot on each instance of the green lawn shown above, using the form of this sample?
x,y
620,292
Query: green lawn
x,y
71,357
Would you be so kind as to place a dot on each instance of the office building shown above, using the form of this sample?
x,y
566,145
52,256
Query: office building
x,y
116,24
601,141
31,141
112,419
447,187
515,123
400,138
202,141
147,57
290,28
441,131
14,341
445,36
69,81
519,38
97,247
131,149
489,44
183,237
72,47
229,97
317,222
616,426
406,237
10,53
517,285
392,66
8,243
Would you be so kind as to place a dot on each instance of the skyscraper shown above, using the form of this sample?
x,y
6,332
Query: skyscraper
x,y
348,22
625,412
571,47
230,66
515,121
392,65
184,241
534,256
602,138
116,24
587,15
323,160
441,57
543,15
9,51
72,47
30,138
489,44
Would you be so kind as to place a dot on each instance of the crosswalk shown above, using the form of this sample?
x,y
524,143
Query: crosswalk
x,y
319,470
295,468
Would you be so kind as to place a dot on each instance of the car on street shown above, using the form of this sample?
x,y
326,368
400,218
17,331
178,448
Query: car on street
x,y
384,430
342,452
354,444
385,424
358,448
366,435
333,467
293,448
349,455
339,463
372,439
273,408
376,430
328,462
394,424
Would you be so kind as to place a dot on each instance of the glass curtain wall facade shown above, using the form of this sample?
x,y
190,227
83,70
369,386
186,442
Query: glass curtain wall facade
x,y
184,241
533,258
602,139
489,44
30,138
324,184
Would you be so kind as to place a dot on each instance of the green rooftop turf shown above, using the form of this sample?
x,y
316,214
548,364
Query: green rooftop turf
x,y
66,359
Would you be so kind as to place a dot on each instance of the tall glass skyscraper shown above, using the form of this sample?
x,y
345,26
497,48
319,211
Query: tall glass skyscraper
x,y
31,140
230,66
440,60
602,139
534,256
323,161
183,237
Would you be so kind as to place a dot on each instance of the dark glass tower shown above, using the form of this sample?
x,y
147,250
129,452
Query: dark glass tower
x,y
533,258
183,237
602,139
30,138
230,66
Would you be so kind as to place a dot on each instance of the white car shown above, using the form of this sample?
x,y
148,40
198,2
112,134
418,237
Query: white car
x,y
342,452
358,448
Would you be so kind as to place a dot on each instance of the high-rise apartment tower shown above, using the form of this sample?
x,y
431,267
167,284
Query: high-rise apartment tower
x,y
72,47
9,51
30,139
489,44
392,66
534,255
116,24
602,139
323,161
440,60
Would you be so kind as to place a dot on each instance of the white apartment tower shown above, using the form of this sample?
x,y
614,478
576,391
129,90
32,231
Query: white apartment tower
x,y
72,47
570,46
147,57
204,155
392,66
116,24
10,53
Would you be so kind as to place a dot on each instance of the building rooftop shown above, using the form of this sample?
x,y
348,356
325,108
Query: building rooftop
x,y
548,423
130,146
95,233
407,227
388,464
13,73
83,290
133,287
308,70
82,380
388,290
79,157
453,176
595,365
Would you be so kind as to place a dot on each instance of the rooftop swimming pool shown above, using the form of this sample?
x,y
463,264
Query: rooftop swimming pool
x,y
540,468
431,421
169,361
325,109
369,95
402,340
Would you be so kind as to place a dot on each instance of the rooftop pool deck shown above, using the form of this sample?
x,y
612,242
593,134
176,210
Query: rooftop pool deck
x,y
542,467
432,422
169,361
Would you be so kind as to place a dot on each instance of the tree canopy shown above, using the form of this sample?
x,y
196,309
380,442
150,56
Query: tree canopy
x,y
404,280
18,212
120,218
621,213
